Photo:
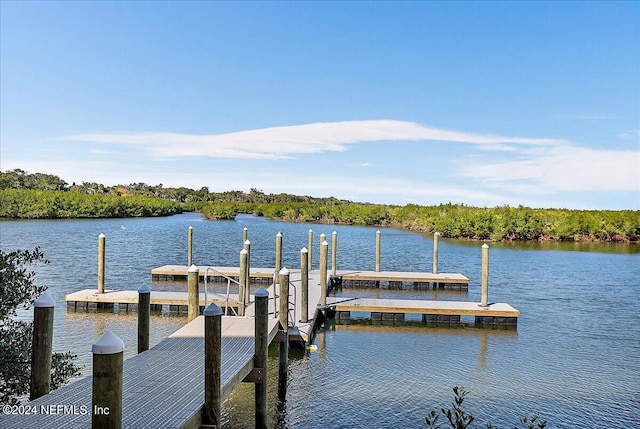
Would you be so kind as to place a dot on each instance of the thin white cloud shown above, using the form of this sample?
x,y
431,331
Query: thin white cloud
x,y
630,135
282,142
363,165
565,168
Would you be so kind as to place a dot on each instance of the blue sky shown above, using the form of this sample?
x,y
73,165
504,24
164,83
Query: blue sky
x,y
482,103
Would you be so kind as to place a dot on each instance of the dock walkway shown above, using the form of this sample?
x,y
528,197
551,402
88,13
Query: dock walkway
x,y
163,386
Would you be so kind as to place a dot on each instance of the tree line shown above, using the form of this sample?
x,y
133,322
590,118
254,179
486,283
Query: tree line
x,y
25,195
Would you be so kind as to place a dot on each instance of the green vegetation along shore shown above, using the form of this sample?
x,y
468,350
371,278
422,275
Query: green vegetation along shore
x,y
44,196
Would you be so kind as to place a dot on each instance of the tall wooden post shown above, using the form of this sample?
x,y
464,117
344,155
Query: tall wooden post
x,y
247,283
283,279
106,397
144,314
278,252
245,234
310,248
42,346
212,365
101,258
324,250
284,324
193,277
484,299
260,356
378,250
304,285
436,236
190,247
334,254
242,279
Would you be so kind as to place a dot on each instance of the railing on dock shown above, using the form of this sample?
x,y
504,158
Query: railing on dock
x,y
229,281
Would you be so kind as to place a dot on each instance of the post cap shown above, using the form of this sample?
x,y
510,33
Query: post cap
x,y
244,252
324,243
334,233
245,228
436,233
284,271
190,227
101,235
485,246
310,230
212,310
279,234
261,293
304,250
108,344
192,269
378,232
44,300
145,288
247,243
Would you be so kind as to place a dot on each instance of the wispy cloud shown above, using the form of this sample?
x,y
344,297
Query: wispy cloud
x,y
630,135
363,165
563,168
283,142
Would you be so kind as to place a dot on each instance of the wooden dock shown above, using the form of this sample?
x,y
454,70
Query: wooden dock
x,y
127,300
431,311
163,387
356,278
179,272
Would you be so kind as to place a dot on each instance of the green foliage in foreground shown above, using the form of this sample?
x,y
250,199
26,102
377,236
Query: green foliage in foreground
x,y
33,204
458,418
17,289
455,220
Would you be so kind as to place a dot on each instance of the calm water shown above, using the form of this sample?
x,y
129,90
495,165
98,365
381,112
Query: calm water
x,y
574,358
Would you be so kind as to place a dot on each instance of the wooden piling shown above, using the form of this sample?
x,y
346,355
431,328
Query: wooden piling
x,y
245,234
190,247
283,280
193,303
484,299
101,258
304,285
247,283
284,324
144,311
324,249
42,346
378,250
436,237
310,250
212,365
242,279
334,247
106,397
261,355
278,252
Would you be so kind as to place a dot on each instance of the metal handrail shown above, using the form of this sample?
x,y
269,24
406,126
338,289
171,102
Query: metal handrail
x,y
229,280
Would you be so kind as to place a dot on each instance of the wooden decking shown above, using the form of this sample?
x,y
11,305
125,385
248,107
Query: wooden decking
x,y
416,306
131,297
402,276
180,271
163,387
